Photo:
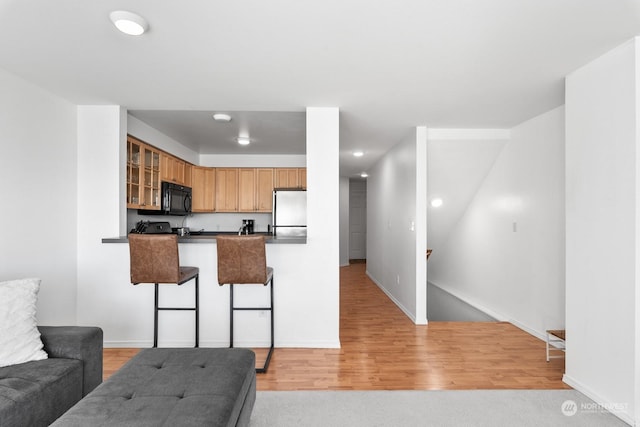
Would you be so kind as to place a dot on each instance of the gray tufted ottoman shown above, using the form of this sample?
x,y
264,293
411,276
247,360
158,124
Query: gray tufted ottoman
x,y
173,387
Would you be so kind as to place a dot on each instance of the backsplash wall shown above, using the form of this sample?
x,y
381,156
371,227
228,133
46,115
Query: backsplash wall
x,y
206,221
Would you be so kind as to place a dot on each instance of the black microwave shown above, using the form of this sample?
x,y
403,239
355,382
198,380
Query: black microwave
x,y
176,200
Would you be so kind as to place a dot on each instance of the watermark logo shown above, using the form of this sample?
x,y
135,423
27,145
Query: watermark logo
x,y
569,408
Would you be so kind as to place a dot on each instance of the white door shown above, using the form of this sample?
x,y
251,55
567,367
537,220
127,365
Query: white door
x,y
357,220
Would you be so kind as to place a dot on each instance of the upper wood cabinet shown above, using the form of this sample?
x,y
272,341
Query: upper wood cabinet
x,y
302,177
246,190
291,178
255,189
203,184
264,190
175,170
226,190
214,189
167,168
143,175
232,189
286,177
188,174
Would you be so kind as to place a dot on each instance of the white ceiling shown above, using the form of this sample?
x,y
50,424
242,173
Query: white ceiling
x,y
270,132
388,65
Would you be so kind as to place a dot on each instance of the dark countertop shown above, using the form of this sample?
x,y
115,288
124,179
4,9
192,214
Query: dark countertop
x,y
210,237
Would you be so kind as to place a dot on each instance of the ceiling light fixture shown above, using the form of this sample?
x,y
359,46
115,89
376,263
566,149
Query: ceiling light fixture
x,y
128,22
358,153
437,202
243,140
364,175
221,117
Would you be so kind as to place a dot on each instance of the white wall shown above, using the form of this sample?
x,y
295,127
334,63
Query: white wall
x,y
101,204
444,307
152,136
344,221
505,255
602,170
458,161
306,276
320,270
254,161
396,225
38,213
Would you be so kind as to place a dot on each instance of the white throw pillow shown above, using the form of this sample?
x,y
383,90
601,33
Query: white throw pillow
x,y
19,336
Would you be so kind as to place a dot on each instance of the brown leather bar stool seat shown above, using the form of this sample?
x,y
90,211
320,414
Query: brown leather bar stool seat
x,y
242,260
154,259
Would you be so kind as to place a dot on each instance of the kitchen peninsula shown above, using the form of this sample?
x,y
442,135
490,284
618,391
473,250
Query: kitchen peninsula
x,y
176,328
306,289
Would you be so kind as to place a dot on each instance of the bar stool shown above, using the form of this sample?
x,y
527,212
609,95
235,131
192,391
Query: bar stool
x,y
154,259
242,260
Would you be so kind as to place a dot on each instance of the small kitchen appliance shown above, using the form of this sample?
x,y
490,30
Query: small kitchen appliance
x,y
151,227
247,226
176,200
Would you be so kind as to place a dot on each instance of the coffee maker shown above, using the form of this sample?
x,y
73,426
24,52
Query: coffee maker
x,y
247,226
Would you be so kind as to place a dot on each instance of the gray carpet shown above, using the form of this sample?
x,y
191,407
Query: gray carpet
x,y
428,408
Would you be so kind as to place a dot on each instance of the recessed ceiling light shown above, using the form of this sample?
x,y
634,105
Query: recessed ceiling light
x,y
128,22
243,140
358,153
221,117
437,202
364,175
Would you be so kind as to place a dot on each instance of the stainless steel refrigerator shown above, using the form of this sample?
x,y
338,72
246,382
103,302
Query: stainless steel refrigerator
x,y
289,212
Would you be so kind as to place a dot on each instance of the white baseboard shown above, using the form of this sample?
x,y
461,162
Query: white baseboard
x,y
308,344
499,317
221,344
392,298
604,403
130,344
542,335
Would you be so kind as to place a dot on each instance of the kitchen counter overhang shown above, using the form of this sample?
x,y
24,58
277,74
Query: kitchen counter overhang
x,y
210,237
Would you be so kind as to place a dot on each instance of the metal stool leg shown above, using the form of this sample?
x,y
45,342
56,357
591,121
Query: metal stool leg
x,y
266,363
155,317
231,310
197,310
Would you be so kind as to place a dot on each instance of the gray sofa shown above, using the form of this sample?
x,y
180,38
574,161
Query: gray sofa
x,y
37,393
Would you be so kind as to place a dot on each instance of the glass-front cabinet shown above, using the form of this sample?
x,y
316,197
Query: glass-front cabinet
x,y
143,175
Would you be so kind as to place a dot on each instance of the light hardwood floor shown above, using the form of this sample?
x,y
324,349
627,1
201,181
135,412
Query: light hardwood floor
x,y
383,350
